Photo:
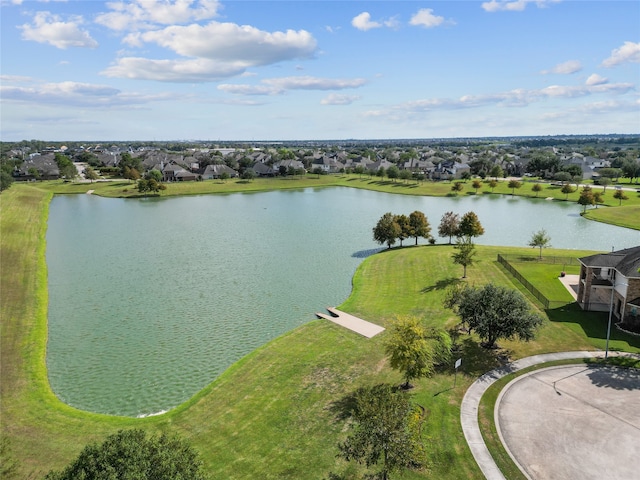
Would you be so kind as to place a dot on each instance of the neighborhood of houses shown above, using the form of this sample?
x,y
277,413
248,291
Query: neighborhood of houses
x,y
425,162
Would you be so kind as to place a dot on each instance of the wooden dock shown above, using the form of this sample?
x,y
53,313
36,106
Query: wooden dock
x,y
355,324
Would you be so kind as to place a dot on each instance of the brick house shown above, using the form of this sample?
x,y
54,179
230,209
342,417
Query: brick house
x,y
612,280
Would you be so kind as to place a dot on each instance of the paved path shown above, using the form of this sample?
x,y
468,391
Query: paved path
x,y
571,282
354,324
471,400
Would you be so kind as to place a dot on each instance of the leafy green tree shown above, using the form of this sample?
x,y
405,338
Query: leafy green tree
x,y
317,171
132,455
34,172
386,230
393,172
408,349
605,182
494,312
385,432
359,170
248,174
564,177
465,176
464,254
381,172
541,240
65,166
537,188
567,189
631,169
224,176
90,174
130,174
405,227
127,161
586,198
513,184
470,226
477,185
449,225
620,195
5,180
419,225
493,184
154,174
613,174
598,198
496,171
457,187
405,175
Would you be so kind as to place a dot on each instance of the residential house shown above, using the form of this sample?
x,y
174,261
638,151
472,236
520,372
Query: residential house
x,y
288,165
45,166
263,170
612,281
215,171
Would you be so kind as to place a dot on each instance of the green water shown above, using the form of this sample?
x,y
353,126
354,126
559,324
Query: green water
x,y
151,299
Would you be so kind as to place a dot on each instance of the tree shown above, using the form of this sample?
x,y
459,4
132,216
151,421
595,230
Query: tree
x,y
493,184
477,185
5,180
541,240
65,166
605,182
470,226
536,188
564,177
457,187
90,174
385,431
567,189
513,184
249,174
386,230
381,172
126,160
359,170
611,173
419,225
494,312
405,175
449,224
393,172
408,349
318,171
130,173
464,253
496,171
154,174
598,198
620,195
131,454
586,198
631,169
405,227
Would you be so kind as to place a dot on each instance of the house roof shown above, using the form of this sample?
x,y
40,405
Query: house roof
x,y
626,261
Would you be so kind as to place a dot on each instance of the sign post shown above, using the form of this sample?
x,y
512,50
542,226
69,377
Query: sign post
x,y
455,375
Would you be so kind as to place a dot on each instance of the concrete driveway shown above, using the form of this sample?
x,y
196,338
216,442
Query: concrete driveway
x,y
573,422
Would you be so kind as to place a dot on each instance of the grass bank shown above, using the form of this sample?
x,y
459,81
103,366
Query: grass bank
x,y
275,413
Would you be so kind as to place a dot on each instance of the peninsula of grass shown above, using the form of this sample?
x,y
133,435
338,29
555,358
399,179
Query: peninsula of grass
x,y
276,412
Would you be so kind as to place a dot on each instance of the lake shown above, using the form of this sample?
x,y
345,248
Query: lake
x,y
151,299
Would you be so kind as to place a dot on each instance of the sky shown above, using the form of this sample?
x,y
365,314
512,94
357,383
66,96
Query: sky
x,y
216,70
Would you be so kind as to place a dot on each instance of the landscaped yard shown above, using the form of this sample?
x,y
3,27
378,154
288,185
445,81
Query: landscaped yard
x,y
274,414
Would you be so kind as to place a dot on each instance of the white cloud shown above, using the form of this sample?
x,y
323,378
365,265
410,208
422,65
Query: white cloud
x,y
338,99
232,42
363,22
76,94
145,14
214,51
511,98
192,70
565,68
278,86
425,18
513,5
596,79
51,29
627,53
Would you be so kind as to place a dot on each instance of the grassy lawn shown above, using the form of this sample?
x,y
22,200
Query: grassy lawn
x,y
275,413
624,216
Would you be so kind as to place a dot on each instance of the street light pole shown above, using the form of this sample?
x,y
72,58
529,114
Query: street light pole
x,y
606,350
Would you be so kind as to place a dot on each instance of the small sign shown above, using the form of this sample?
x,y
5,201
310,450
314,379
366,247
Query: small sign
x,y
458,363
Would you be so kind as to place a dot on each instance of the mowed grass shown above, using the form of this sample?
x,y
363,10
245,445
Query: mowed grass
x,y
276,412
623,216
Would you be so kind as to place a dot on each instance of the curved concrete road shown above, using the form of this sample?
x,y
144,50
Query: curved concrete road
x,y
471,400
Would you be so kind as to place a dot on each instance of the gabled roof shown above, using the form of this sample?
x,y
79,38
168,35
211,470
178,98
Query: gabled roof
x,y
626,261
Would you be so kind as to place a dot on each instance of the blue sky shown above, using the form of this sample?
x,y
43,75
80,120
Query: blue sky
x,y
295,70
